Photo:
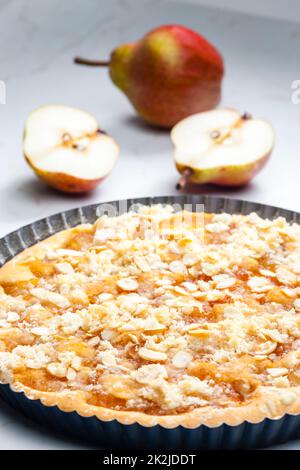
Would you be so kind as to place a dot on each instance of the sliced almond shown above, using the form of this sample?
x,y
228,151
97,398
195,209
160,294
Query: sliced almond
x,y
223,281
71,374
181,359
216,227
277,371
199,333
259,284
142,263
285,276
274,335
64,268
40,331
281,382
127,284
297,305
265,348
152,356
12,317
67,252
57,369
54,298
190,286
189,259
107,358
177,267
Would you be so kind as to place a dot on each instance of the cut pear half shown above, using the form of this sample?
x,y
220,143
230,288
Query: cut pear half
x,y
222,147
66,148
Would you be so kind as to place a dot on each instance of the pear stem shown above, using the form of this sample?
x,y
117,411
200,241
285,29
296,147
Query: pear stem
x,y
184,179
92,63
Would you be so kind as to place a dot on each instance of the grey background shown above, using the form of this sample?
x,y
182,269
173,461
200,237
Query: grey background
x,y
281,9
38,41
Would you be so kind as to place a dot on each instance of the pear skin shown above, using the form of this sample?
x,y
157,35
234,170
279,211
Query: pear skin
x,y
232,176
64,182
169,74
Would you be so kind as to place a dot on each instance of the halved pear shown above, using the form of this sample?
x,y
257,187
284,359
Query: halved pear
x,y
221,147
66,148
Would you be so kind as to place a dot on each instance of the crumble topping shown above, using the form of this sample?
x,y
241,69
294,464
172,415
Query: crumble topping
x,y
150,311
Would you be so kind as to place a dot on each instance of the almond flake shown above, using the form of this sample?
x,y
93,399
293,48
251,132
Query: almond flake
x,y
182,359
216,227
104,234
297,305
150,355
199,333
223,217
277,371
54,298
12,317
223,281
94,341
177,267
71,374
71,322
180,290
190,259
281,382
127,284
107,358
105,296
266,273
259,284
57,369
142,263
285,276
266,348
40,331
64,268
76,363
190,286
107,334
66,252
231,312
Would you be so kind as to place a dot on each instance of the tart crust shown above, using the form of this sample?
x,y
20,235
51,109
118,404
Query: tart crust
x,y
265,402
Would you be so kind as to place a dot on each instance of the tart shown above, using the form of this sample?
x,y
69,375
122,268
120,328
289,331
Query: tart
x,y
158,317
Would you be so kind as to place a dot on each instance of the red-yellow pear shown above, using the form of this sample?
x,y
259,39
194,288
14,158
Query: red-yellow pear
x,y
66,148
169,74
222,147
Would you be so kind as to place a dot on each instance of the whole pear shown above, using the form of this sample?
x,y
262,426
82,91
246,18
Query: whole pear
x,y
169,74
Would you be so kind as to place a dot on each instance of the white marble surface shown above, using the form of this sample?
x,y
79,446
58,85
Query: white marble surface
x,y
38,41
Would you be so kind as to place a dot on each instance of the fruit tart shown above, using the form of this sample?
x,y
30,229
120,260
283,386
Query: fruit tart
x,y
156,317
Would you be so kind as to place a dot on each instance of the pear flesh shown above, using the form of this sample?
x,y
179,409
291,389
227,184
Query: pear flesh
x,y
65,148
222,147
